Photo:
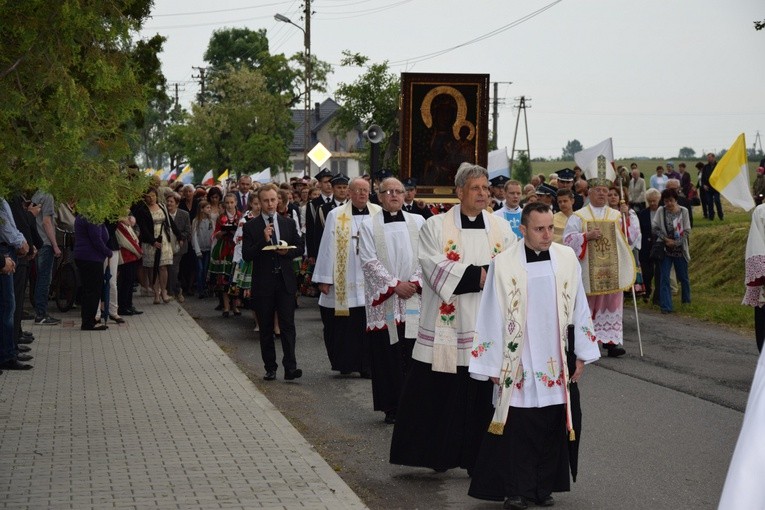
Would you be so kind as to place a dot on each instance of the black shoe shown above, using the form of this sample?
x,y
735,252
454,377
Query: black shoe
x,y
365,375
515,503
124,312
25,340
23,348
548,501
390,417
24,357
118,320
293,374
614,351
270,375
133,311
27,333
97,327
15,365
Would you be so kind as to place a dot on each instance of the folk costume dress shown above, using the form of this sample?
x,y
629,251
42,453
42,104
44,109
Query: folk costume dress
x,y
608,266
222,254
342,309
241,284
530,301
389,246
443,413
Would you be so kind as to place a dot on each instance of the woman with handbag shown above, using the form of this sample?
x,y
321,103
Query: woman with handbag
x,y
672,227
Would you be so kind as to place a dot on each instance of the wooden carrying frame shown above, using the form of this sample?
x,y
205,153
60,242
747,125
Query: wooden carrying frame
x,y
444,123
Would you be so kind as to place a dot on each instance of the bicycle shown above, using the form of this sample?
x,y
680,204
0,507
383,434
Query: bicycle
x,y
65,280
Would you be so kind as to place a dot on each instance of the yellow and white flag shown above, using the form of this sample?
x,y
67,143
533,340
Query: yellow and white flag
x,y
731,176
222,177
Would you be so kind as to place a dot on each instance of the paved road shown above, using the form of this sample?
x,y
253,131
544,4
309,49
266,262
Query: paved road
x,y
659,430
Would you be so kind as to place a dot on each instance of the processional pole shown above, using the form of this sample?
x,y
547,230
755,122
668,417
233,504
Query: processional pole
x,y
634,296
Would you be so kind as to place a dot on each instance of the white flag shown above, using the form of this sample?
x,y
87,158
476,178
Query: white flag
x,y
498,164
596,163
262,177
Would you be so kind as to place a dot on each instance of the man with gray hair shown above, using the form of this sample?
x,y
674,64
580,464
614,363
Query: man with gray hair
x,y
443,413
392,283
341,282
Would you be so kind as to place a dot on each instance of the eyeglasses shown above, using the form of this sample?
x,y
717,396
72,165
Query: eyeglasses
x,y
360,191
392,192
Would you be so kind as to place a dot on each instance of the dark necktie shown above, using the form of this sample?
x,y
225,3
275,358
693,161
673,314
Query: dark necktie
x,y
409,208
273,230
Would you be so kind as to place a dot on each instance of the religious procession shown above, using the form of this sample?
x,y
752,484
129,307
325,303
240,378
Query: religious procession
x,y
234,296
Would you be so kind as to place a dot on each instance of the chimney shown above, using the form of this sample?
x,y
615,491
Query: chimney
x,y
317,115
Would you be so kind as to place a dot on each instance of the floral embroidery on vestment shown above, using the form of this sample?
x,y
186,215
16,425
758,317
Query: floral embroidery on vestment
x,y
480,349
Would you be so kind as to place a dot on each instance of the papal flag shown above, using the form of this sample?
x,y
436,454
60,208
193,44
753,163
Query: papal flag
x,y
596,163
222,177
172,176
731,176
186,175
208,179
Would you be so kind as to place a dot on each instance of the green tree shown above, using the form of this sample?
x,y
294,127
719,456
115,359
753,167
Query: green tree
x,y
521,169
69,85
237,48
246,129
686,153
373,97
571,148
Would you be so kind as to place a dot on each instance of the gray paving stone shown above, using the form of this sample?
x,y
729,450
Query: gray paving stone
x,y
150,414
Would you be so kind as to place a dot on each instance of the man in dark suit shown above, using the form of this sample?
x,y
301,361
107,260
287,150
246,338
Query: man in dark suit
x,y
312,237
276,281
339,196
650,268
410,204
243,193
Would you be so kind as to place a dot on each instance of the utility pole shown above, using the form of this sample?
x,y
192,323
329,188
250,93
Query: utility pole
x,y
201,83
757,140
521,108
308,73
495,112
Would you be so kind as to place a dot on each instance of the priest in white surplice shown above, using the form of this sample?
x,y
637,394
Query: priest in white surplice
x,y
443,413
341,282
532,299
392,282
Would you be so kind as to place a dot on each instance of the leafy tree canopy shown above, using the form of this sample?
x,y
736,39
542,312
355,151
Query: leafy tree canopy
x,y
70,82
245,130
236,48
571,148
372,97
686,153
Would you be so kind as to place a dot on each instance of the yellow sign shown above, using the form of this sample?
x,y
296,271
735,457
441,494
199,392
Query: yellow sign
x,y
319,154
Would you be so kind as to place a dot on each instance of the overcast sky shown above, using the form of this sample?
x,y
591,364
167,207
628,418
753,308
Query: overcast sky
x,y
656,75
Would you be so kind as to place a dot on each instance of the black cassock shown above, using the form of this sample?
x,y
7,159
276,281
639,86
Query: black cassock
x,y
498,471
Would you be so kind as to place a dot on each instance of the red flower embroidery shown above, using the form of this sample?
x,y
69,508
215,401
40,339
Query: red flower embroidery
x,y
453,255
446,308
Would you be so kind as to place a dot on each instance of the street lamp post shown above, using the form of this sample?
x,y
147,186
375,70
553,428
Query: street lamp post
x,y
306,81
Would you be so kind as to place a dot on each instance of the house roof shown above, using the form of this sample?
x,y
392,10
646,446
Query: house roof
x,y
327,110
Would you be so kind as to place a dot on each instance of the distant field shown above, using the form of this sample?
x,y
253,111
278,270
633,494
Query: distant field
x,y
646,166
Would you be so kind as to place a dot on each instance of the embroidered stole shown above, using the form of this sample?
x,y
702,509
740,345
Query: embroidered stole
x,y
511,282
412,308
445,348
342,241
608,264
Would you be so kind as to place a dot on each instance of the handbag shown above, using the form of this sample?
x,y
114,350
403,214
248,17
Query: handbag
x,y
657,250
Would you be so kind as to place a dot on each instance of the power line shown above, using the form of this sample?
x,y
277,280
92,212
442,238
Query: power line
x,y
218,10
487,35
